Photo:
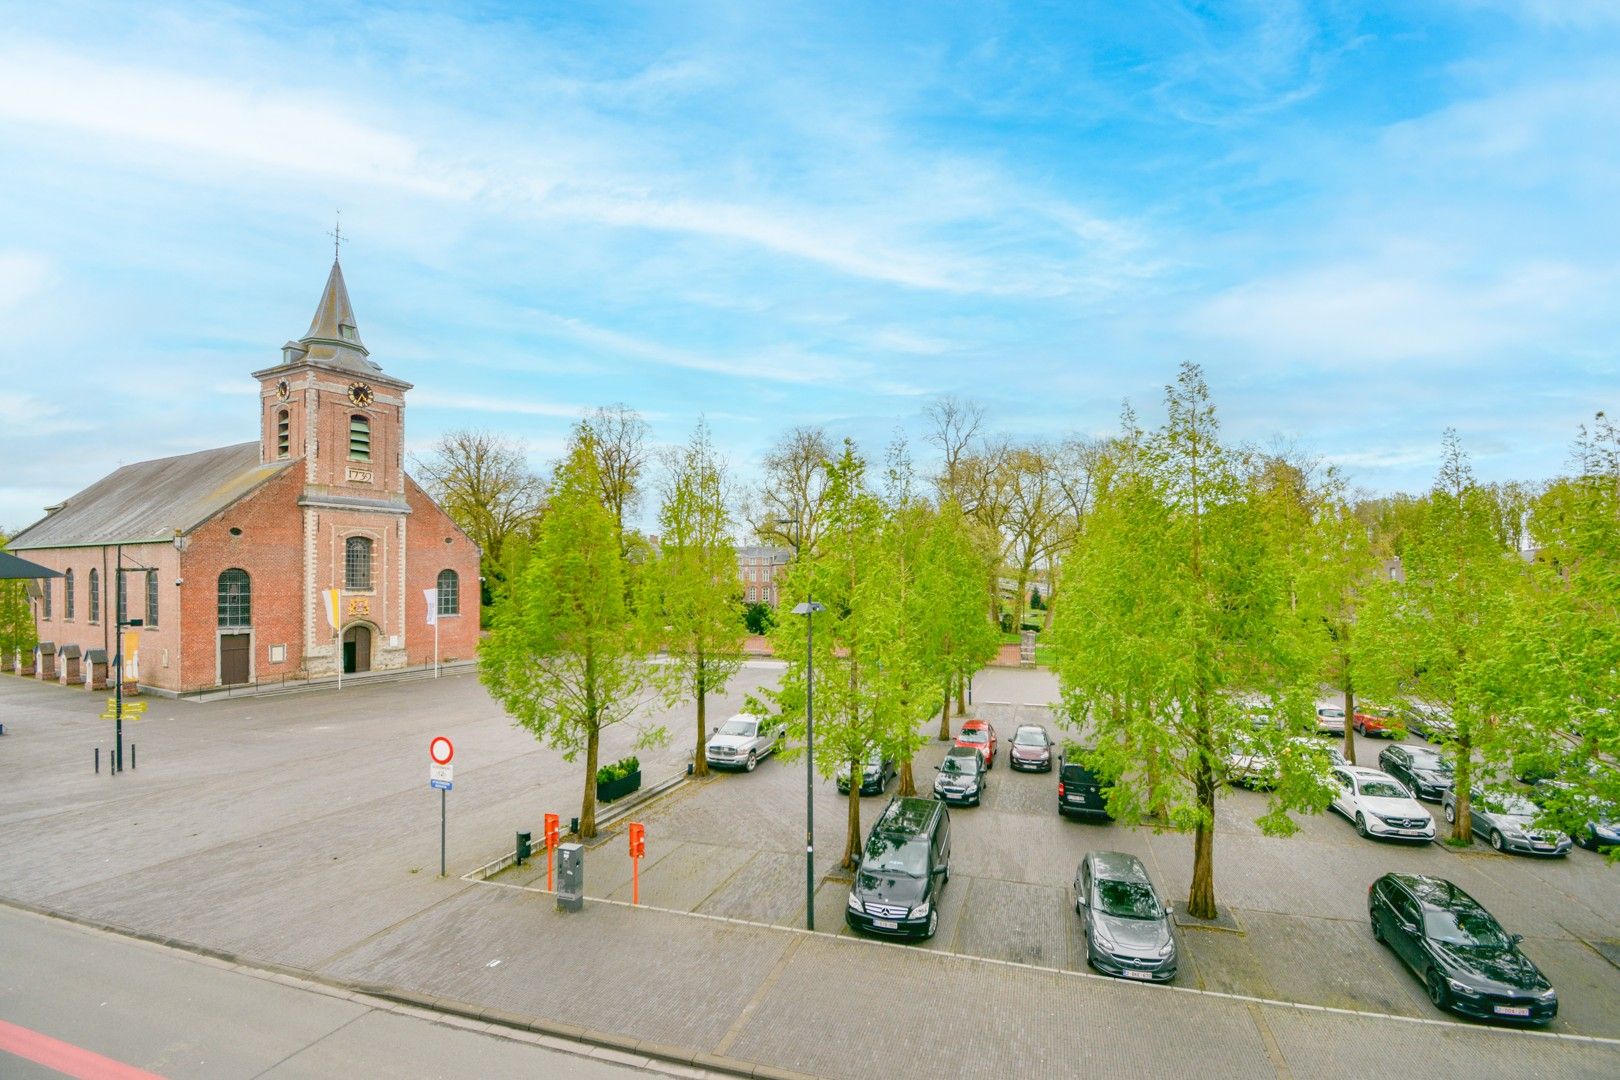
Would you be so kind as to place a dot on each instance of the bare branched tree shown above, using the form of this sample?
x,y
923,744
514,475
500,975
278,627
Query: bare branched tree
x,y
483,482
619,435
795,489
953,425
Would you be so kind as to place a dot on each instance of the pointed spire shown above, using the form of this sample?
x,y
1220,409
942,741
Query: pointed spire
x,y
334,316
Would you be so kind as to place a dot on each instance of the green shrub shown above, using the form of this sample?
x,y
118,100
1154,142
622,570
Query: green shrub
x,y
618,770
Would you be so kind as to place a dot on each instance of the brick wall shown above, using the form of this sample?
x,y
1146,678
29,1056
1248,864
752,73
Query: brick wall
x,y
427,531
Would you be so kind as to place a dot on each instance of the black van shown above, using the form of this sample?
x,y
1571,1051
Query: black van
x,y
905,864
1080,791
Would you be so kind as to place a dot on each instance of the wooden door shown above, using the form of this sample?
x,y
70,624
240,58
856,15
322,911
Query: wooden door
x,y
233,658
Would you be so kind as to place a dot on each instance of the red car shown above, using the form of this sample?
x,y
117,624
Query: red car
x,y
1378,723
982,737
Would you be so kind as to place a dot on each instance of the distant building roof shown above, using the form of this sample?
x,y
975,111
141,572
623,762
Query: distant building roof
x,y
774,554
152,500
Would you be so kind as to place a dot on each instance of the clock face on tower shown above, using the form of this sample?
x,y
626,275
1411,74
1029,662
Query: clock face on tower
x,y
360,393
283,390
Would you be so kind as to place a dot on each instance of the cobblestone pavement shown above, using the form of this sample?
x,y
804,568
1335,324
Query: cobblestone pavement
x,y
300,831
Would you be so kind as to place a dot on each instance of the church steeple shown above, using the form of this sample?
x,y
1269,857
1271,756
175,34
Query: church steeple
x,y
333,338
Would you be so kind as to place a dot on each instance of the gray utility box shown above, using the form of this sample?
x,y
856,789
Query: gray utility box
x,y
570,877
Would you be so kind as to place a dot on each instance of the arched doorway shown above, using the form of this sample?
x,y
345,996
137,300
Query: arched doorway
x,y
356,649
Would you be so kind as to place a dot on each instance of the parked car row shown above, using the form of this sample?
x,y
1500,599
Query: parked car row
x,y
1467,962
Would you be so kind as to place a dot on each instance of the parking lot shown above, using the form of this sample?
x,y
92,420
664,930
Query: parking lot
x,y
733,846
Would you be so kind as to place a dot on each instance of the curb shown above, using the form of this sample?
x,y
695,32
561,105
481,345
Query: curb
x,y
493,1017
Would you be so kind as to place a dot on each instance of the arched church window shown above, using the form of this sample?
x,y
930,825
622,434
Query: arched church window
x,y
449,593
235,598
95,595
67,595
359,438
357,563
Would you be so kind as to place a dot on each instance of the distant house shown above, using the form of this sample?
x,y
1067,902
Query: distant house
x,y
760,569
225,556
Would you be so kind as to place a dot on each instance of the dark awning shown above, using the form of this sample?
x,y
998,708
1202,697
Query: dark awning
x,y
13,567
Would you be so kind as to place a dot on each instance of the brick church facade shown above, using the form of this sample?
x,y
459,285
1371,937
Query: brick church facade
x,y
228,554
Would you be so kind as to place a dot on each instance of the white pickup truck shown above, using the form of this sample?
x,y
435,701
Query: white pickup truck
x,y
742,741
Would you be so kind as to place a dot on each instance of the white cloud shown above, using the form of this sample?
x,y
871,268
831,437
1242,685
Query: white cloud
x,y
263,127
22,276
433,399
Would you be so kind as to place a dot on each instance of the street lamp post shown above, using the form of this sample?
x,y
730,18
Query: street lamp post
x,y
808,609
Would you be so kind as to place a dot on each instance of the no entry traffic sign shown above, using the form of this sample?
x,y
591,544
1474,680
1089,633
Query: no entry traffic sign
x,y
441,750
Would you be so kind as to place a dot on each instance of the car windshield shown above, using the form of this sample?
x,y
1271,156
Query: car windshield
x,y
1512,805
1333,713
974,735
1383,789
1030,736
1126,899
1470,928
896,855
738,727
1430,762
958,766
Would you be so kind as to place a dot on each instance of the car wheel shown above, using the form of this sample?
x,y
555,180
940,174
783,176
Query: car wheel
x,y
1437,989
933,923
1451,812
752,763
1496,840
1361,825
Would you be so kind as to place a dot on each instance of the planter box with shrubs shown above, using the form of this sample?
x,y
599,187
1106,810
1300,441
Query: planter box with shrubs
x,y
618,779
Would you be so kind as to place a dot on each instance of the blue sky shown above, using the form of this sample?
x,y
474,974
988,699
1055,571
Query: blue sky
x,y
1368,222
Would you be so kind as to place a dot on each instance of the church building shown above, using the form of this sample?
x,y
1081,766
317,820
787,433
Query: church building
x,y
229,557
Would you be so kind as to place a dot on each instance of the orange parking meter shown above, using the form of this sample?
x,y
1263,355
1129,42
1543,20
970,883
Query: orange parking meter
x,y
552,824
638,848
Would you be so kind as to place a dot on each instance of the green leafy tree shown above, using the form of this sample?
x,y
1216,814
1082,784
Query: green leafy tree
x,y
1179,597
955,637
1563,662
564,658
1442,634
867,684
758,618
689,589
17,630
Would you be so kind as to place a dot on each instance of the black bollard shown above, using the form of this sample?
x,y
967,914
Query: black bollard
x,y
98,760
132,755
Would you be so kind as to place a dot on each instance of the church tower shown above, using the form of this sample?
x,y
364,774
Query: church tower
x,y
330,409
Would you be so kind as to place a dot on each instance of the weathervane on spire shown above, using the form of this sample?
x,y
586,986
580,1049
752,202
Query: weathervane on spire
x,y
337,236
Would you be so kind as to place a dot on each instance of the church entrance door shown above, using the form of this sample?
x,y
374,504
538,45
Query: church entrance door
x,y
233,658
356,649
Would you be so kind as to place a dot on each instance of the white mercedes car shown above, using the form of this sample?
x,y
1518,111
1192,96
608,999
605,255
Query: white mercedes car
x,y
1379,805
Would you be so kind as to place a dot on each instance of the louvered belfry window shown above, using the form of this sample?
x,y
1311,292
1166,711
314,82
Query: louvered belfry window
x,y
357,564
283,434
359,439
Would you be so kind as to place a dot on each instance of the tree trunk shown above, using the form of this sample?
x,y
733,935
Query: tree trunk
x,y
700,760
945,713
961,694
587,808
1201,898
852,838
908,785
1349,715
1462,828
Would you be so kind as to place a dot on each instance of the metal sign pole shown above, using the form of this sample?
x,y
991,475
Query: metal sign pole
x,y
442,794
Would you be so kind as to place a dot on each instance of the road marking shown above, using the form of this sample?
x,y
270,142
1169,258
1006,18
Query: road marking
x,y
723,1048
1273,1051
65,1058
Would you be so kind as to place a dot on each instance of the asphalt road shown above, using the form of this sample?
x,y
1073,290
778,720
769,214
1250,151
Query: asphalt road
x,y
179,1015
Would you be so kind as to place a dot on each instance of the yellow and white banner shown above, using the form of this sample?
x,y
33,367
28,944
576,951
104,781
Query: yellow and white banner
x,y
333,602
132,655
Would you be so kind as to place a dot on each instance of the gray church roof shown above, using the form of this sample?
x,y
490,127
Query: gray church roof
x,y
151,500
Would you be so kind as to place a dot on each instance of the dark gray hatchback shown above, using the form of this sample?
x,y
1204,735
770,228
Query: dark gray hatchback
x,y
1128,928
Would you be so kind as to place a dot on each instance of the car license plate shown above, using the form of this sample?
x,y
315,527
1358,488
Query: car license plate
x,y
1138,974
1513,1010
1077,798
885,924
